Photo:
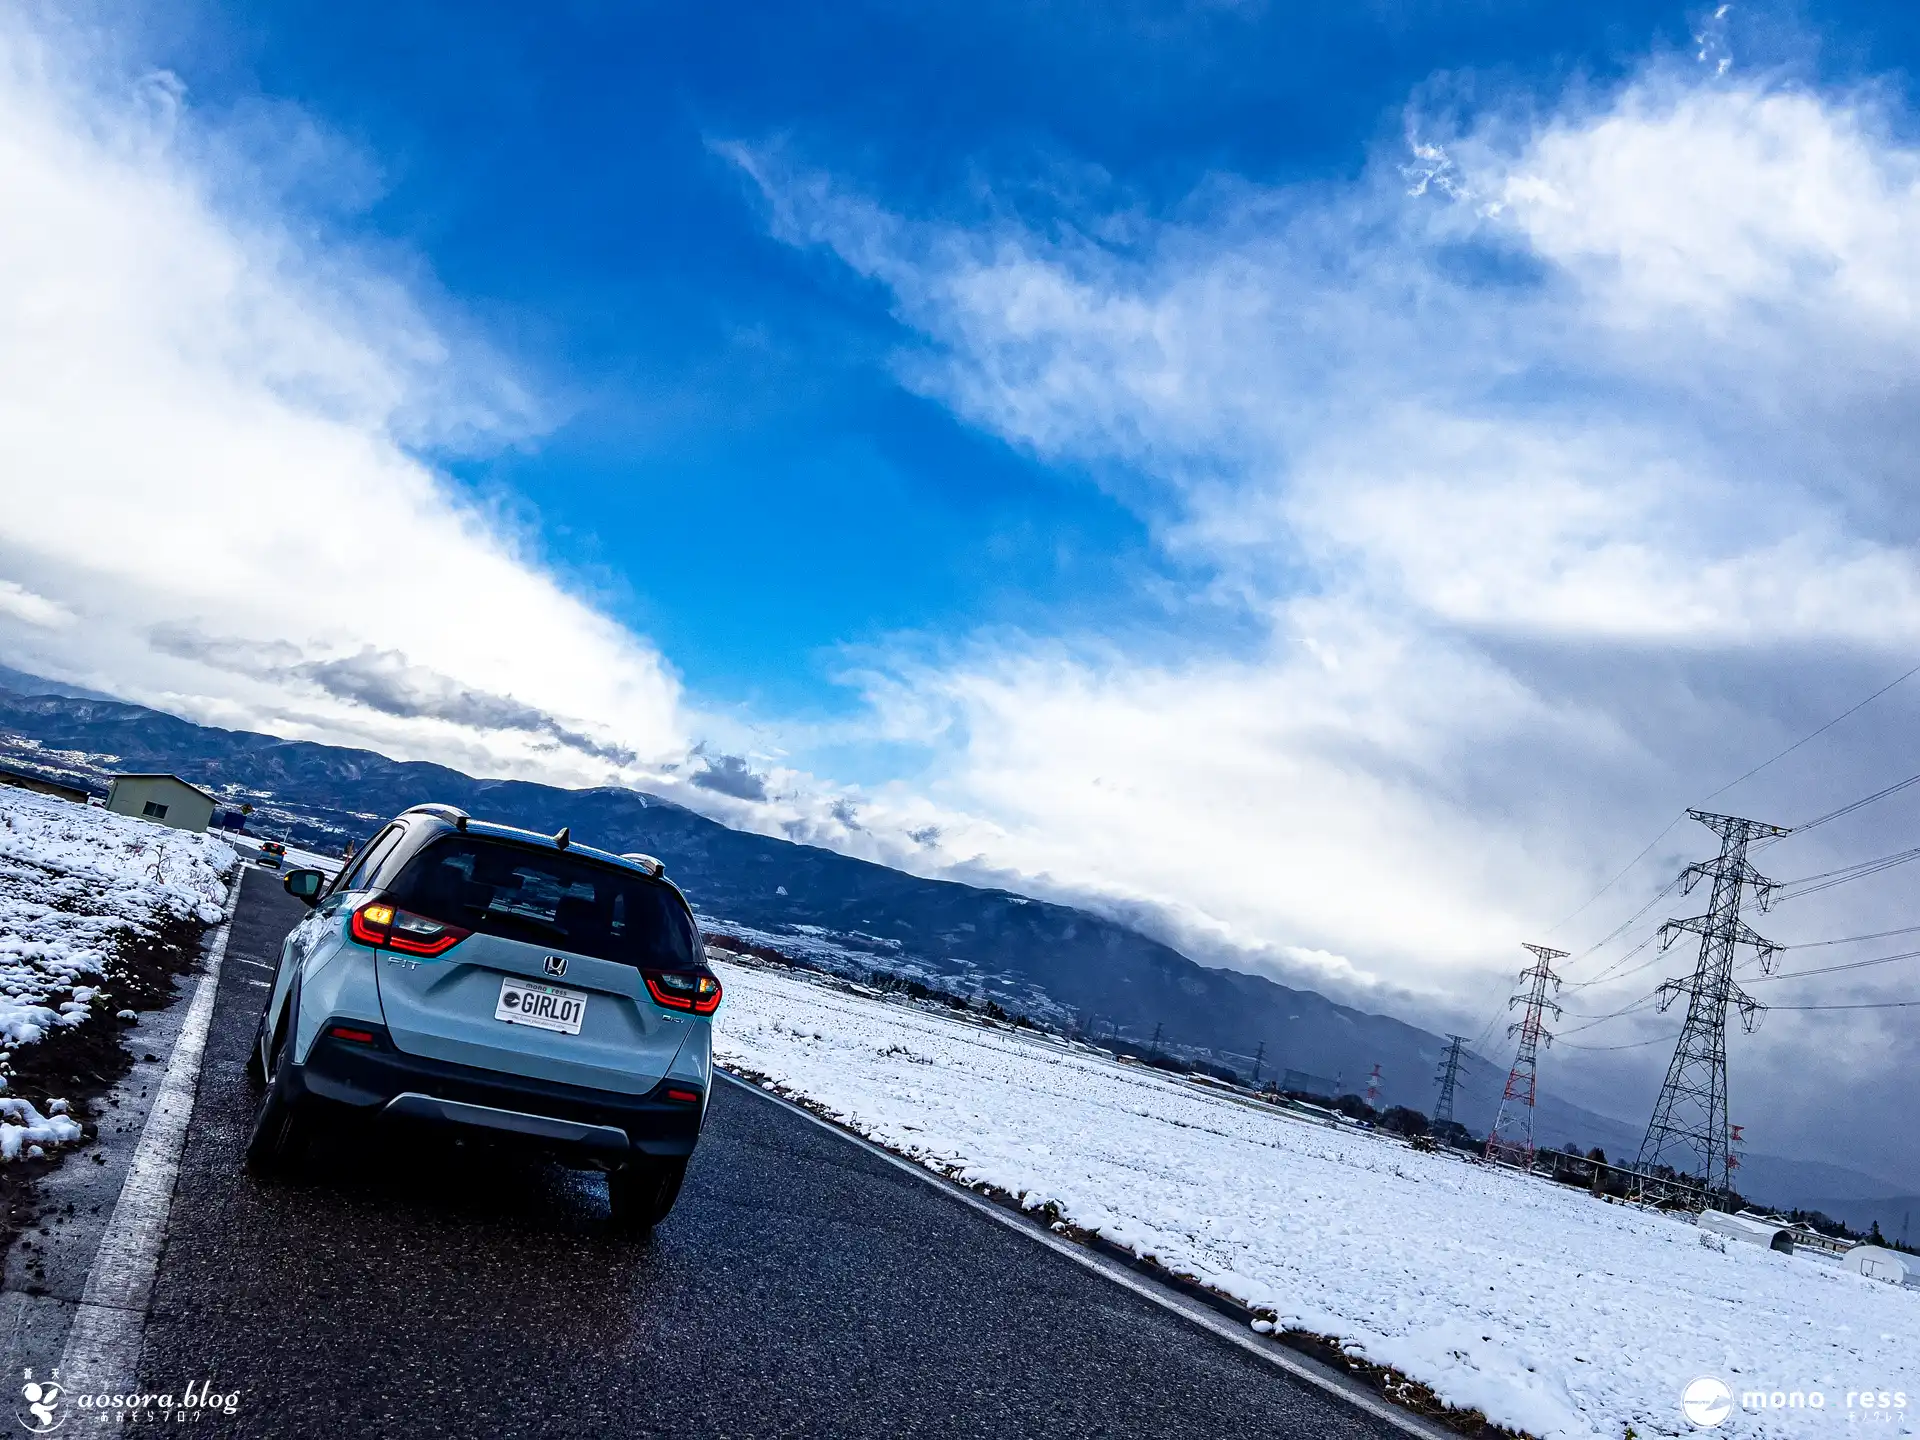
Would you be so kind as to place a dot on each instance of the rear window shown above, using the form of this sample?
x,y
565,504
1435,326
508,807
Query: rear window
x,y
546,897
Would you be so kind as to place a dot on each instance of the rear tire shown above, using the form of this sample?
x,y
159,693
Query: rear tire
x,y
280,1129
256,1073
640,1194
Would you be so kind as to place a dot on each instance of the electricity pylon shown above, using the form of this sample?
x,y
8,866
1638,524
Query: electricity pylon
x,y
1511,1138
1688,1131
1448,1079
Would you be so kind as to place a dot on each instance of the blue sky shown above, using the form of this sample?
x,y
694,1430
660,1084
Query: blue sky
x,y
733,464
1328,484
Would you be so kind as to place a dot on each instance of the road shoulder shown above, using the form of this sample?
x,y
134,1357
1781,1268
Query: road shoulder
x,y
75,1204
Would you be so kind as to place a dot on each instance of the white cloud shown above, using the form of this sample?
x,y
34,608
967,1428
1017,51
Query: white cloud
x,y
1563,489
1689,201
19,603
1522,474
210,421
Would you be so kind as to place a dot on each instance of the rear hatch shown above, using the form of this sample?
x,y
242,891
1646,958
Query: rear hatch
x,y
547,981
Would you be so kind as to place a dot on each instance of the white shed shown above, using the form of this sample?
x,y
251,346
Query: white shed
x,y
1880,1264
1749,1229
165,798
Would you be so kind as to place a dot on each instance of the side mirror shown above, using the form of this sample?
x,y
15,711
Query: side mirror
x,y
305,885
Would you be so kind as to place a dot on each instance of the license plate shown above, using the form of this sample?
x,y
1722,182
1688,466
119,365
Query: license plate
x,y
545,1007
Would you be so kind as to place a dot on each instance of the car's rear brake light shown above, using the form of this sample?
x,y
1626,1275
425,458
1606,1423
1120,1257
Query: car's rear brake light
x,y
685,1097
678,990
381,925
370,923
359,1037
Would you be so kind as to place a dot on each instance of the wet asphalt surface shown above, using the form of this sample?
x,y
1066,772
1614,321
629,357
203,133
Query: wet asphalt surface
x,y
802,1286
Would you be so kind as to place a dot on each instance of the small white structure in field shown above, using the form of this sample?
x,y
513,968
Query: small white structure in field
x,y
1748,1229
1888,1265
164,798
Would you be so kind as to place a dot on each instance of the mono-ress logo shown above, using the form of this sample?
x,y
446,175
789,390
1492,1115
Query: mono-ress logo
x,y
1708,1400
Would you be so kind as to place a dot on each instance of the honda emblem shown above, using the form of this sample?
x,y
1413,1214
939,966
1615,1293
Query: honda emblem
x,y
556,965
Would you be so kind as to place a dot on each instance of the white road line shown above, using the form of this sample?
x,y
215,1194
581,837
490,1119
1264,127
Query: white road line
x,y
1320,1377
257,964
110,1322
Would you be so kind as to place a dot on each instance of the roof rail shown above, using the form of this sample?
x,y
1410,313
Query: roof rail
x,y
454,813
647,863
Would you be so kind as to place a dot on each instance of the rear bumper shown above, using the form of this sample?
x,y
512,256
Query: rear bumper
x,y
592,1124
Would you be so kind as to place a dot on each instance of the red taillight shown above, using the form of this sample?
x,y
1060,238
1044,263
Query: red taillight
x,y
699,993
359,1037
380,924
686,1097
370,922
417,935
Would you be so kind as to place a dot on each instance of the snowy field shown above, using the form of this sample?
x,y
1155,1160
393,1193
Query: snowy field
x,y
1548,1310
76,883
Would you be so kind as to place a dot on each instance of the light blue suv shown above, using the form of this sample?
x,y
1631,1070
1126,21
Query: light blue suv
x,y
514,985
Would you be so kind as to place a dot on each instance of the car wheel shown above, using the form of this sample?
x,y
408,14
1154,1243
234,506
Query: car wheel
x,y
256,1073
641,1194
280,1129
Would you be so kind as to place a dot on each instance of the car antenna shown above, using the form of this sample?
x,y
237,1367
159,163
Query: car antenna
x,y
565,837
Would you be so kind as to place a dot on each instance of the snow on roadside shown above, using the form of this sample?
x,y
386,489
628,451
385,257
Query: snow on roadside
x,y
77,883
1547,1310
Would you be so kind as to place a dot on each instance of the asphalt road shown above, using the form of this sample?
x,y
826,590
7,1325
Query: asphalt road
x,y
803,1286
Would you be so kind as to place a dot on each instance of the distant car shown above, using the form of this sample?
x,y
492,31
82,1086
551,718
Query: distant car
x,y
272,852
508,985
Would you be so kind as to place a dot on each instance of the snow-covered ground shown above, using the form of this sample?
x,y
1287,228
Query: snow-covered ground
x,y
76,883
1548,1310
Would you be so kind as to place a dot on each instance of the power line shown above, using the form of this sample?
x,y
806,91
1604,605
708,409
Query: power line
x,y
1613,973
1848,809
1630,1045
1826,880
1805,738
1626,925
1836,969
1853,939
1634,1008
1814,735
1863,1005
1653,959
1616,879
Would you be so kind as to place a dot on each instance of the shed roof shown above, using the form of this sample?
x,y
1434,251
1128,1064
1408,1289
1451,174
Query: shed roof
x,y
164,775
